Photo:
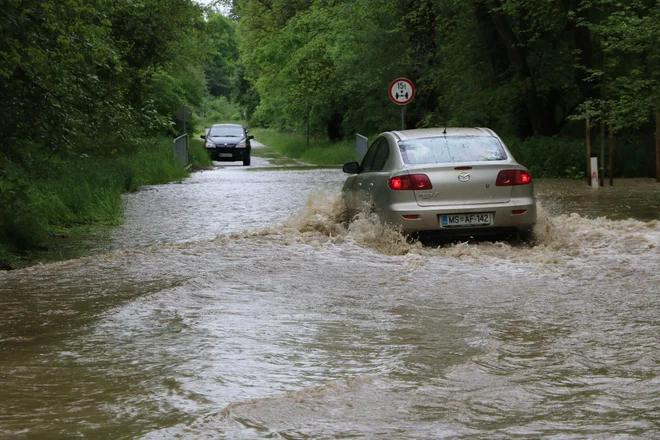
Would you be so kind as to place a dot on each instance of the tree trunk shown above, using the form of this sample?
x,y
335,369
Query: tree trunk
x,y
585,51
518,57
657,147
611,142
588,151
602,153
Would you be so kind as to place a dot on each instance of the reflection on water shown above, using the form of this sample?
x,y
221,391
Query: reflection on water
x,y
628,198
291,324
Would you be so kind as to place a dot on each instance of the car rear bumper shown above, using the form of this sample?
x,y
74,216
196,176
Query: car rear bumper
x,y
506,217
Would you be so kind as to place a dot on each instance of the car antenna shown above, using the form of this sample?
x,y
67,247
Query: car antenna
x,y
445,130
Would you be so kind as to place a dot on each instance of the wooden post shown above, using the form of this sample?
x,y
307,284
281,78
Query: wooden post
x,y
657,147
308,128
602,153
588,152
611,142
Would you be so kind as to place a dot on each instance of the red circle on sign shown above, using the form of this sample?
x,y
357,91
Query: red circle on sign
x,y
407,89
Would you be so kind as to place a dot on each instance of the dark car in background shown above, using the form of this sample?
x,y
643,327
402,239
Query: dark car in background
x,y
228,142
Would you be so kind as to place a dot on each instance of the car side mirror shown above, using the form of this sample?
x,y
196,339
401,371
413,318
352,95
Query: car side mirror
x,y
352,168
203,136
250,137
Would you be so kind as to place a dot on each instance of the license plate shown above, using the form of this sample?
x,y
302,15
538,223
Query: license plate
x,y
224,154
474,219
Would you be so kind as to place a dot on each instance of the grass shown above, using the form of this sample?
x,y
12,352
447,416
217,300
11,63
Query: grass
x,y
319,152
198,155
71,194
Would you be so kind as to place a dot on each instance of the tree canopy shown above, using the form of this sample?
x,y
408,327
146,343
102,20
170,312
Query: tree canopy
x,y
523,67
91,76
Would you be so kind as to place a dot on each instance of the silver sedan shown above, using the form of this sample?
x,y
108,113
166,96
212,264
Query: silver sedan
x,y
451,181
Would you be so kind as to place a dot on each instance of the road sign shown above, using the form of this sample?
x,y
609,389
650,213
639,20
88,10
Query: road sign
x,y
402,91
183,113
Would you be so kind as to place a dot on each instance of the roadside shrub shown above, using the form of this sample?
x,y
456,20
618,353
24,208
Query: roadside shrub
x,y
76,189
154,163
549,157
564,157
197,154
21,226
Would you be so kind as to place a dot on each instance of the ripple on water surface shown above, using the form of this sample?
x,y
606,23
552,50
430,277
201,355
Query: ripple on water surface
x,y
312,328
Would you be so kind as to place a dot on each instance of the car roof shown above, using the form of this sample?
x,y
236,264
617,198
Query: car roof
x,y
227,125
442,131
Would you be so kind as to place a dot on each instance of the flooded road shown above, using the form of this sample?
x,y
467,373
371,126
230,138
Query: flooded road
x,y
238,305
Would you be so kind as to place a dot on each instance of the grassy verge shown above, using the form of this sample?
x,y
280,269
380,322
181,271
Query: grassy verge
x,y
198,155
65,199
319,152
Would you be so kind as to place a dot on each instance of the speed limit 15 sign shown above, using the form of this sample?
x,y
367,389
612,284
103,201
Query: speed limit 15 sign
x,y
402,91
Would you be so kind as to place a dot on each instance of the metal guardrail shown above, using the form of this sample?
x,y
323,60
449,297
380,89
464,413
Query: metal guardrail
x,y
181,148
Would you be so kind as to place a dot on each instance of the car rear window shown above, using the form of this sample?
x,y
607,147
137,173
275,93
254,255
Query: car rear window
x,y
227,130
449,149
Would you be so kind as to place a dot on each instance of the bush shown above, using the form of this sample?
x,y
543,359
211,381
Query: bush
x,y
564,157
197,154
549,157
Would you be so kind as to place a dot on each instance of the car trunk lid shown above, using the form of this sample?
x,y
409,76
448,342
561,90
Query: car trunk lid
x,y
462,185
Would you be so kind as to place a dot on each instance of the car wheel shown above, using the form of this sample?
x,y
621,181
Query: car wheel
x,y
246,161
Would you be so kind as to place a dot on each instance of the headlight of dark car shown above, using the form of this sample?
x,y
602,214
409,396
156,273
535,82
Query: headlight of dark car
x,y
209,144
241,144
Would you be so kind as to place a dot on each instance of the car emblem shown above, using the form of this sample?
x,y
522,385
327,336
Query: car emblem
x,y
225,145
463,177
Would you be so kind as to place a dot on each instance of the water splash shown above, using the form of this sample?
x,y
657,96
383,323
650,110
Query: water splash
x,y
556,238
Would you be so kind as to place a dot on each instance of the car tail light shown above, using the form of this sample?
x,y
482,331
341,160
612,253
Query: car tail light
x,y
513,177
409,182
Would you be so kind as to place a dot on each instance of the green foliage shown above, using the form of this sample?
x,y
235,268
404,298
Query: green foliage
x,y
565,157
220,109
525,68
320,151
78,76
90,90
77,190
321,66
197,154
574,173
549,157
222,54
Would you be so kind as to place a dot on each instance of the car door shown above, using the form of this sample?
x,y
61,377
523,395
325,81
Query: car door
x,y
352,188
368,182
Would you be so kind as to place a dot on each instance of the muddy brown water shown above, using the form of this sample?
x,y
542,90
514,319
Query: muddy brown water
x,y
237,305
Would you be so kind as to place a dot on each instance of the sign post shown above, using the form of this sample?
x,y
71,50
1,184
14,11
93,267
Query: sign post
x,y
184,114
402,92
